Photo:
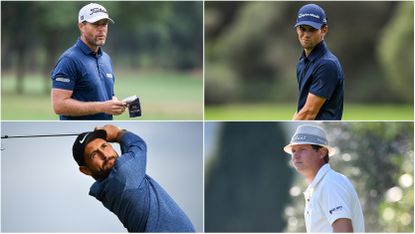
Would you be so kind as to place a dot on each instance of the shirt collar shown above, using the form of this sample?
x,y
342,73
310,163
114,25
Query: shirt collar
x,y
320,175
316,52
86,50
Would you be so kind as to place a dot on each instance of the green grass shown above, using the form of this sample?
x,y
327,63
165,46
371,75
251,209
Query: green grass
x,y
286,112
163,96
174,96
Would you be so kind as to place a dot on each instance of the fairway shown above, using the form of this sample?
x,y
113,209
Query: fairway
x,y
163,95
286,112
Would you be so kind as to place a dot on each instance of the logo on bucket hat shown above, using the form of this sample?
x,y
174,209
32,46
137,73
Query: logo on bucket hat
x,y
92,13
310,135
311,15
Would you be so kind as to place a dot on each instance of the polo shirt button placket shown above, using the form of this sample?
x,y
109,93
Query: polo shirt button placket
x,y
308,206
97,62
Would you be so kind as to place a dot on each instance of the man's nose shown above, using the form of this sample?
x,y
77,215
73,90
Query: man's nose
x,y
104,155
295,155
307,33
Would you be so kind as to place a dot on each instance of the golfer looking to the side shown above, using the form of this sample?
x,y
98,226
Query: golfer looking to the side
x,y
122,184
332,204
83,78
319,73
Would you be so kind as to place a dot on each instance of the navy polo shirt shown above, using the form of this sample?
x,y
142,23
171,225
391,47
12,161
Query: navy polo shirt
x,y
88,75
321,74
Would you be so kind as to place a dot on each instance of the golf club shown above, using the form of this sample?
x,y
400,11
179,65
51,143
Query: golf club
x,y
39,135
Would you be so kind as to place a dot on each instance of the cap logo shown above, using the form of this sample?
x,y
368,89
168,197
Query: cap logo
x,y
97,10
83,139
309,138
308,14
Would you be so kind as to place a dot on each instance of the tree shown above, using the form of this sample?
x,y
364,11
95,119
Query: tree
x,y
247,182
15,43
396,51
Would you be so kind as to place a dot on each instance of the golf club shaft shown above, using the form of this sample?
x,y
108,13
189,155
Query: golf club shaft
x,y
39,135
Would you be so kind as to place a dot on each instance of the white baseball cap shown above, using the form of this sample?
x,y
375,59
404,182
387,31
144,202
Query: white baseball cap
x,y
93,12
310,135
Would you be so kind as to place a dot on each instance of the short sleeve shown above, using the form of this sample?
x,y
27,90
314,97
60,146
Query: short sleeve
x,y
325,80
335,202
64,74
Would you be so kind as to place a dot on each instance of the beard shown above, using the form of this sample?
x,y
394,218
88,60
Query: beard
x,y
104,172
101,174
94,41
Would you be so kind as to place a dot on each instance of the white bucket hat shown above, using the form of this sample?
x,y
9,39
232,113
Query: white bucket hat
x,y
93,12
310,135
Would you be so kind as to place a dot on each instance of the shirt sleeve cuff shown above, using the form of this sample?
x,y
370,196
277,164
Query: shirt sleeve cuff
x,y
333,218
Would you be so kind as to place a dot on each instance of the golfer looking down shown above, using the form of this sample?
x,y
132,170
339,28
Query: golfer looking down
x,y
319,73
122,184
331,202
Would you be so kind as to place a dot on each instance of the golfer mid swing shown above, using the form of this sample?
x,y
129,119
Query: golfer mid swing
x,y
122,184
332,204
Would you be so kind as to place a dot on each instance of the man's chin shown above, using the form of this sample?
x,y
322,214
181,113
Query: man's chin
x,y
298,168
101,175
100,42
308,46
109,164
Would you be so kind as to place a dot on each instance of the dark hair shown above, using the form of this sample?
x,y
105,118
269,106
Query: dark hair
x,y
317,147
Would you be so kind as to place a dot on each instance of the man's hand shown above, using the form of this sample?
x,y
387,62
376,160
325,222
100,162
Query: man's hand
x,y
113,107
113,133
311,108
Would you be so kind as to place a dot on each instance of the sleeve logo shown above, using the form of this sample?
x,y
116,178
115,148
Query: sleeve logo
x,y
339,208
64,80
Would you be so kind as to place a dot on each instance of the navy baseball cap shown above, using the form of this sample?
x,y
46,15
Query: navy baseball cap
x,y
312,15
82,140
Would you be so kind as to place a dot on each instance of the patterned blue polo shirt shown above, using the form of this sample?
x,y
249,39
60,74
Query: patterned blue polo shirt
x,y
140,203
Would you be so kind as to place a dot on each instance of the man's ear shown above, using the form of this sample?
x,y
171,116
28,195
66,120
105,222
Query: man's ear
x,y
85,170
324,152
325,29
81,27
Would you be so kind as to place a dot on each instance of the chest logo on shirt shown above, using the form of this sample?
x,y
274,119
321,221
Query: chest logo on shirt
x,y
109,75
339,208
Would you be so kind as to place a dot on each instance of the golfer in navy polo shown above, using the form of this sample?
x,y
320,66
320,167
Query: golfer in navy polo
x,y
83,79
122,184
319,73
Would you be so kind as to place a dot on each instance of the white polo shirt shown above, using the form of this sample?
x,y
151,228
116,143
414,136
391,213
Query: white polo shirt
x,y
329,197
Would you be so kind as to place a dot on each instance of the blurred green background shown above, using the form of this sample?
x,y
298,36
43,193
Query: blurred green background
x,y
156,50
250,185
251,52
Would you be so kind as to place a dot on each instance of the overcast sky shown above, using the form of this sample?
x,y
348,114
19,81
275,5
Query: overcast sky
x,y
43,191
